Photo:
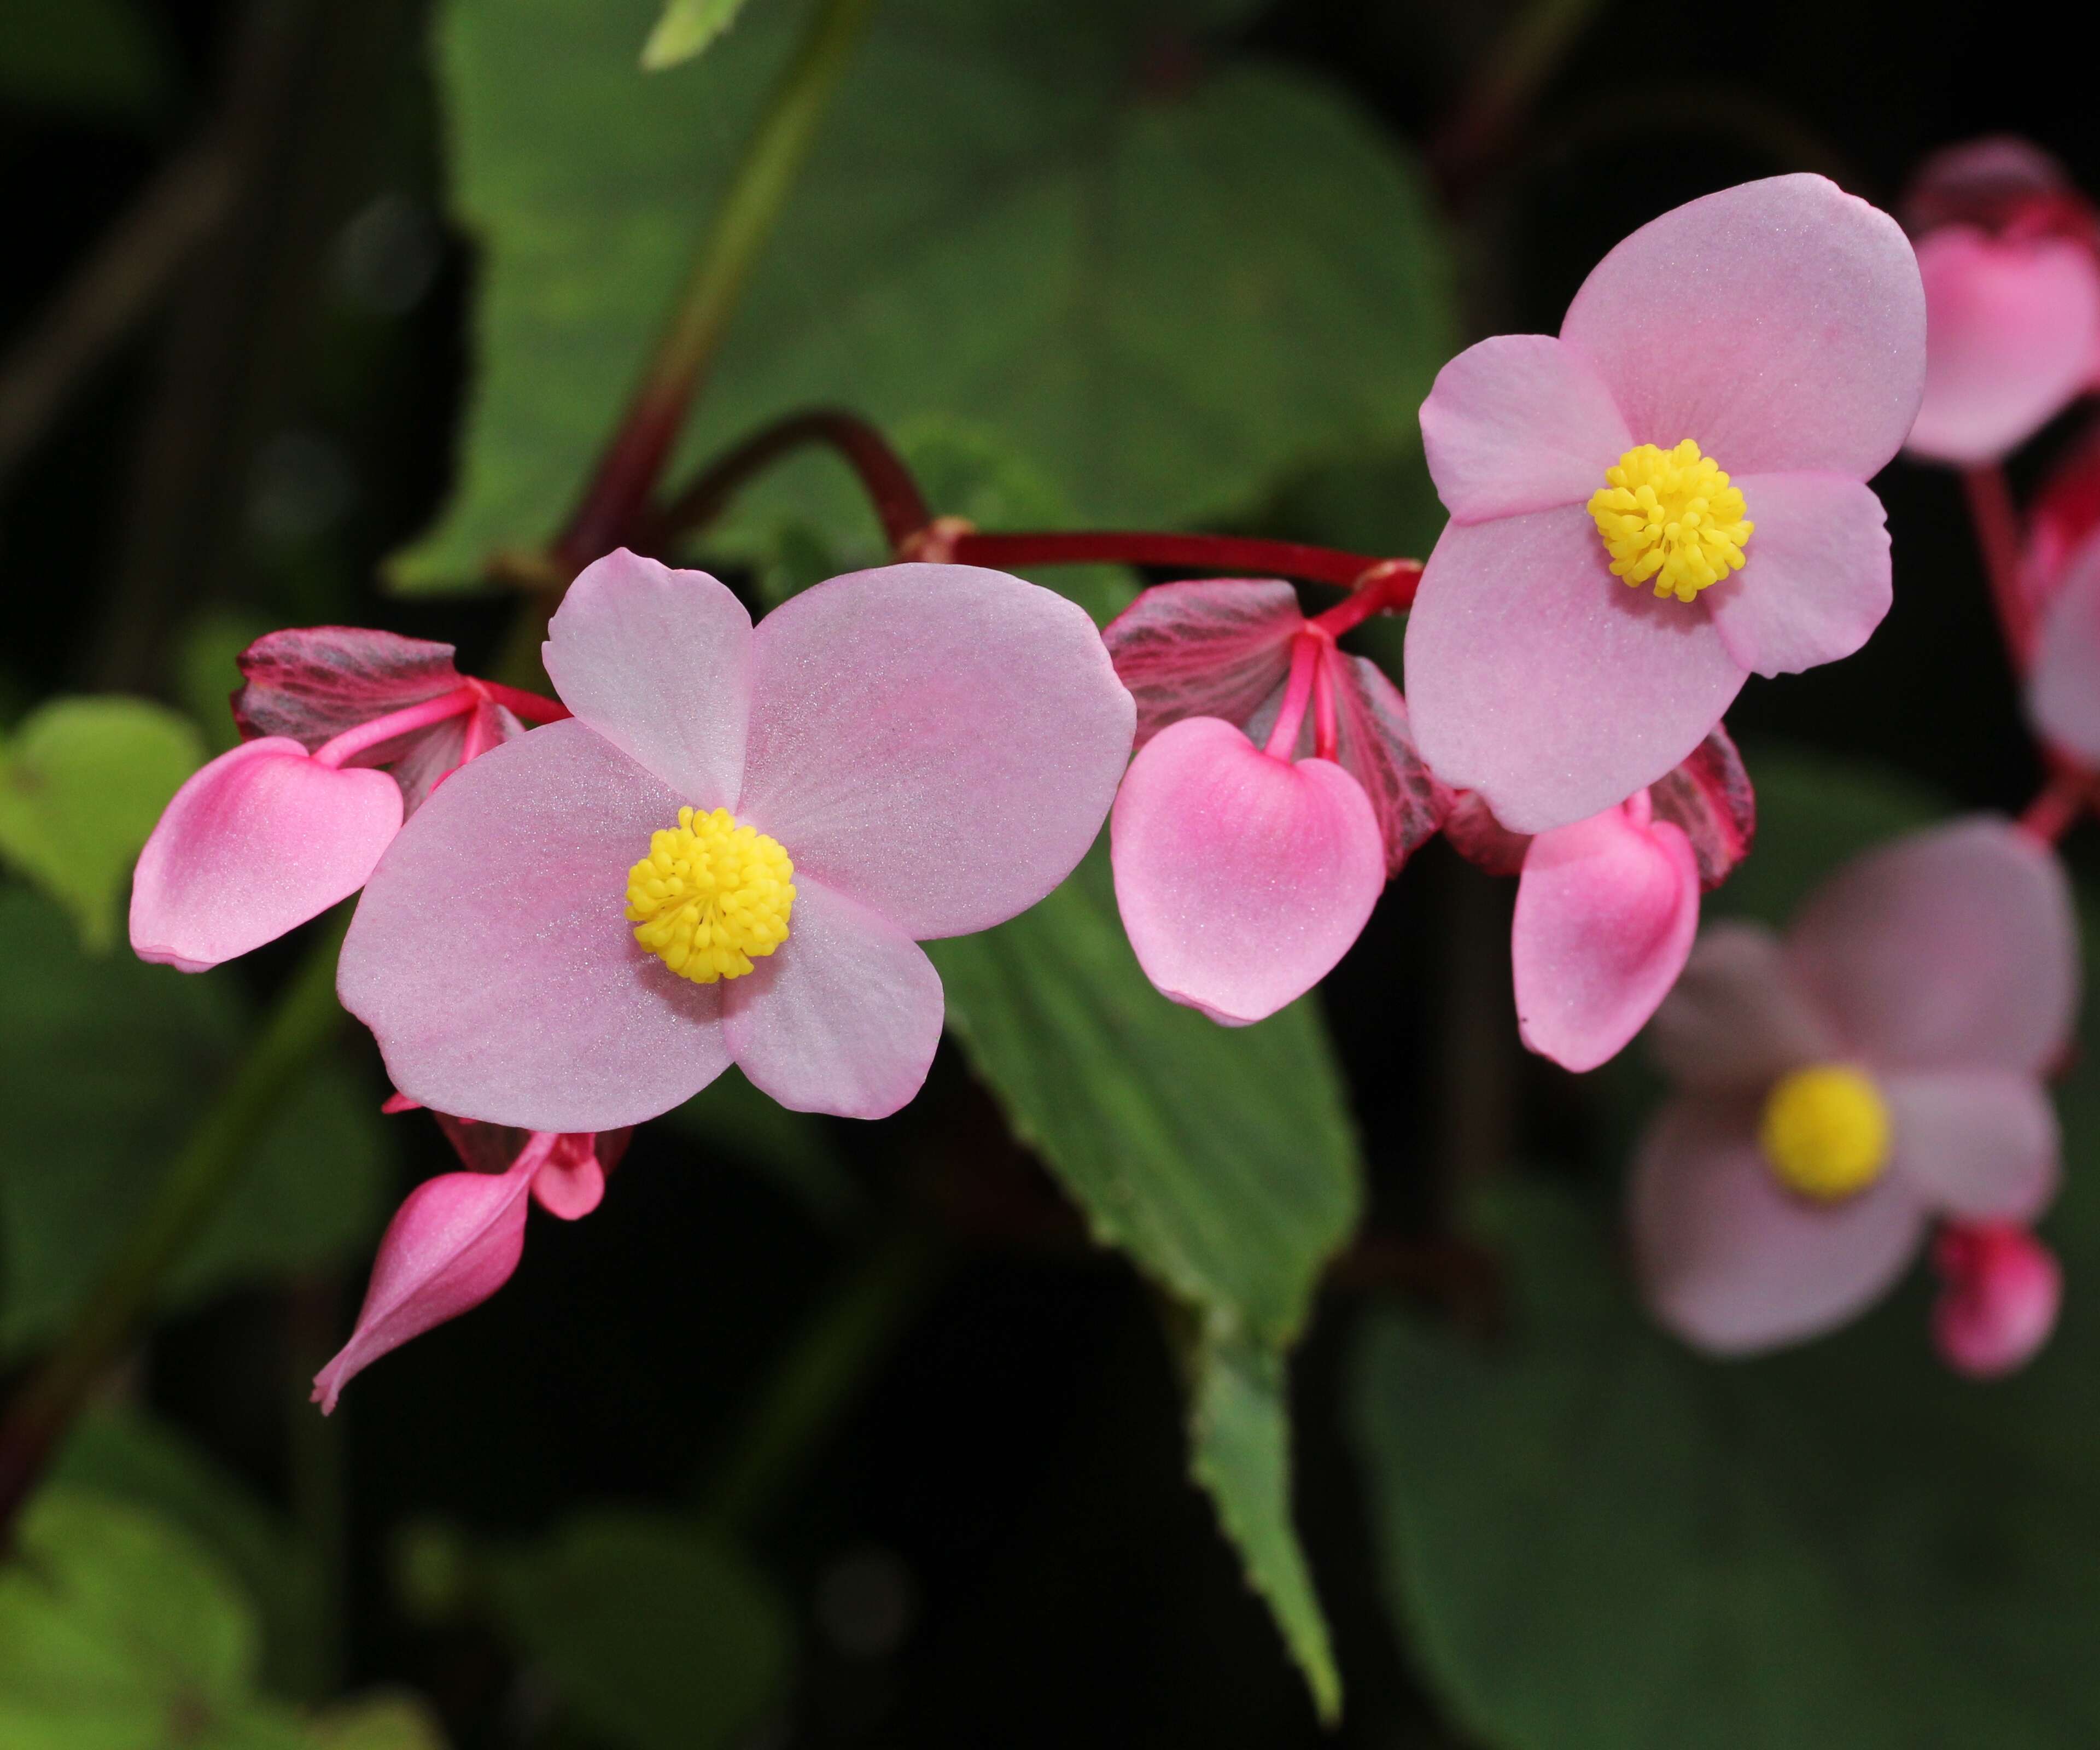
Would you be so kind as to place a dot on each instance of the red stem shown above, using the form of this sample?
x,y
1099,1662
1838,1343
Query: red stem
x,y
1997,524
532,707
1221,555
2056,809
1306,650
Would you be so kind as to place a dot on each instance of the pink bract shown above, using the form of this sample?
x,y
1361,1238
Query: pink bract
x,y
1944,966
1781,325
935,747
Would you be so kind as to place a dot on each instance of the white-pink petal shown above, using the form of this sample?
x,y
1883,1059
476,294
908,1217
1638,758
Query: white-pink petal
x,y
939,741
658,663
1737,1021
1815,578
2063,690
1980,1143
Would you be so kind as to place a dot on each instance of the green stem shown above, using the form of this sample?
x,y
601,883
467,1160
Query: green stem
x,y
758,190
195,1185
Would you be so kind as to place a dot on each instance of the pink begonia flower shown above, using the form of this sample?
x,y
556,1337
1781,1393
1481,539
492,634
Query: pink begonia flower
x,y
2060,582
292,821
1607,909
1840,1089
1702,429
1276,788
587,925
2012,293
457,1238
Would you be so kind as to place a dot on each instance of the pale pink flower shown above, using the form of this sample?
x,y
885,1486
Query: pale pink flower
x,y
1275,789
781,812
1779,329
457,1238
1840,1089
2012,296
347,731
2060,581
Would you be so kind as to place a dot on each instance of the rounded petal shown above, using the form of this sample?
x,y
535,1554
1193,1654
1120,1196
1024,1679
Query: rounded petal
x,y
492,957
1538,679
1242,879
1732,1263
658,663
2012,329
1518,423
1954,948
1737,1021
843,1017
940,742
2064,690
1815,581
572,1183
2002,1289
253,845
454,1242
1779,324
1606,911
1975,1142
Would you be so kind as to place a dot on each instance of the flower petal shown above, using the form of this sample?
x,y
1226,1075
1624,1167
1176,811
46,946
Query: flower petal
x,y
1518,423
491,956
1209,647
1374,744
453,1243
1955,948
1978,1143
2063,690
313,682
658,663
1737,1021
1815,581
1542,681
1779,324
2011,330
940,742
253,845
2002,1288
843,1017
572,1183
1606,911
1242,879
1732,1263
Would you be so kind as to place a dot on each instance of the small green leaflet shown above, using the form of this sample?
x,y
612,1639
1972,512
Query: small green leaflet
x,y
685,30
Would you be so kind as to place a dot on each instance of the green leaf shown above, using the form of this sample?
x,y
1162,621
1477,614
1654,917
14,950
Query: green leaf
x,y
685,30
655,1634
104,1065
82,782
378,1722
207,670
1160,298
99,57
1239,1435
1596,1537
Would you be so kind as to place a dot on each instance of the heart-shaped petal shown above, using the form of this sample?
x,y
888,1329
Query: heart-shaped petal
x,y
1242,879
1606,911
259,841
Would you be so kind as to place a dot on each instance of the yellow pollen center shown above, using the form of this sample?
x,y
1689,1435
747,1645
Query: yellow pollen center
x,y
1671,515
711,896
1825,1131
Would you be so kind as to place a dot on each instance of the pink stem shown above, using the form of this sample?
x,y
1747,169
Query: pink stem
x,y
1997,524
1386,587
477,740
1326,732
1297,693
532,707
353,741
2056,809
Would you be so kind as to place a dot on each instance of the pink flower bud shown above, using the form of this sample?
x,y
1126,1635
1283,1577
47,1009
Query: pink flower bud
x,y
2001,1288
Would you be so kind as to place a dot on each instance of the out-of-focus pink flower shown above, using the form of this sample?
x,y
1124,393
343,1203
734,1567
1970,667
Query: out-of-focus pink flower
x,y
1774,331
2012,291
2001,1287
349,731
587,925
1841,1088
1275,789
457,1238
2060,580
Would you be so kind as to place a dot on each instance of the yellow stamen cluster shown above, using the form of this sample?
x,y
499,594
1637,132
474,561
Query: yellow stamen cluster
x,y
1825,1131
1671,515
710,895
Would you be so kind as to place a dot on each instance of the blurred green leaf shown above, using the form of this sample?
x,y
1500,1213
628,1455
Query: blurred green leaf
x,y
685,30
207,671
1163,286
655,1634
97,57
1596,1537
104,1065
82,782
378,1722
1239,1435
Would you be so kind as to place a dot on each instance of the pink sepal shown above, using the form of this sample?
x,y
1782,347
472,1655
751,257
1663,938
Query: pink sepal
x,y
1606,912
253,845
313,682
1709,796
2064,517
2000,1290
450,1246
1214,647
1376,747
1483,841
570,1183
